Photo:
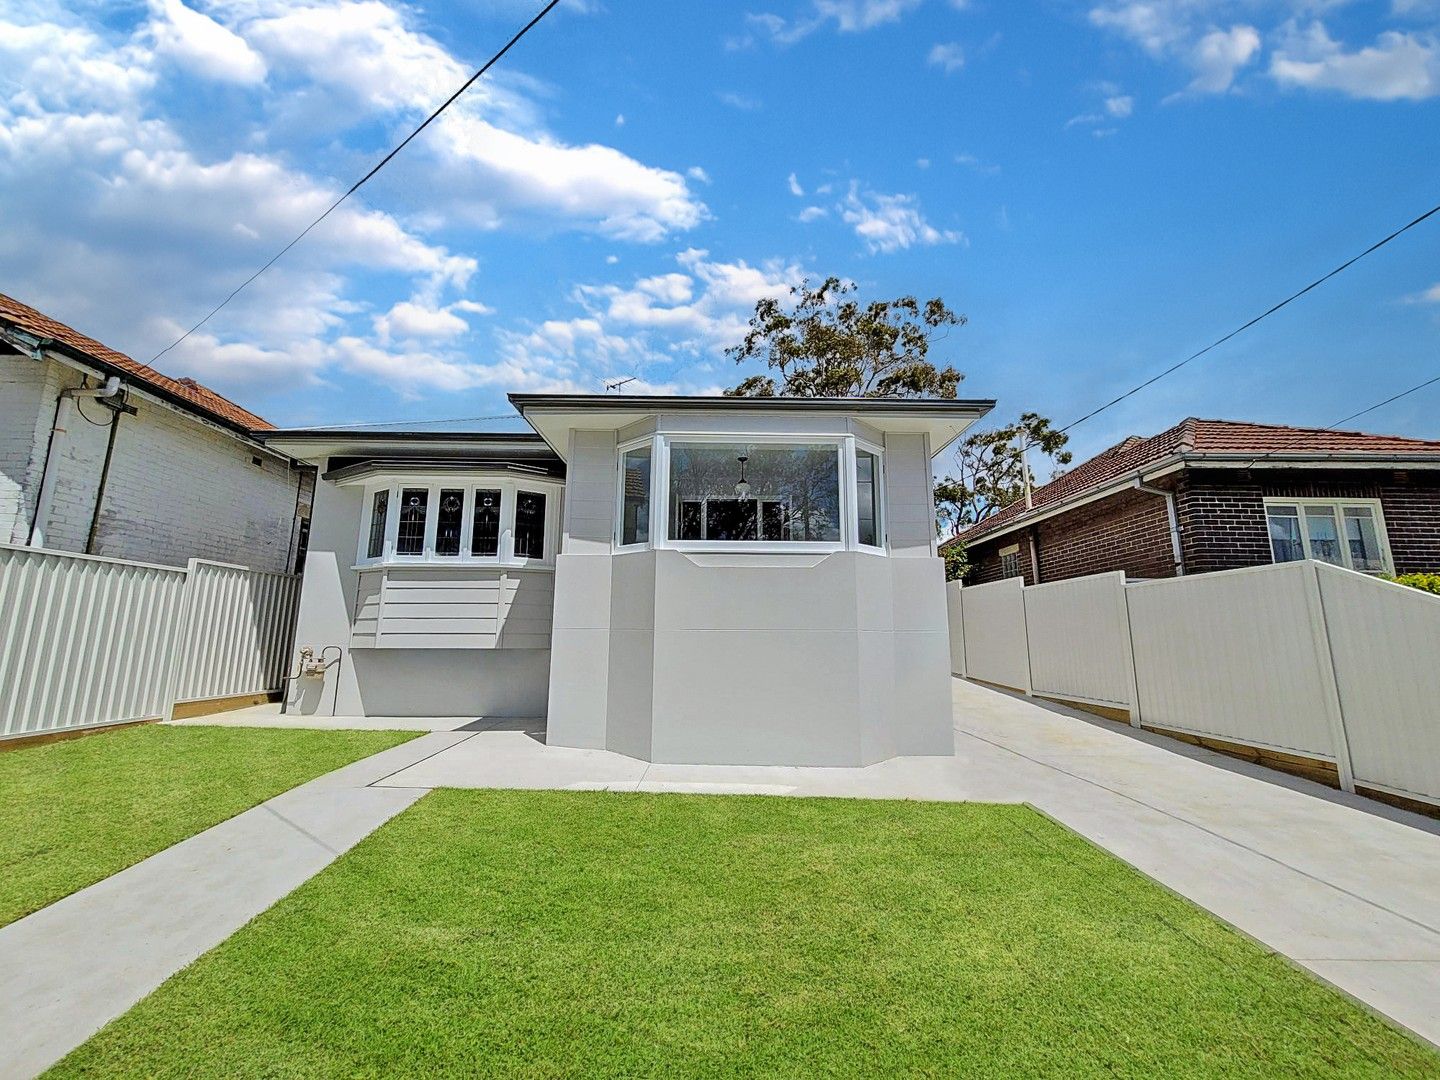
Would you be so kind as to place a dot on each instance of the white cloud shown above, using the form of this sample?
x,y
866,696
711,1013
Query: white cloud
x,y
737,100
409,320
1398,66
620,120
1218,55
1426,296
794,184
949,57
847,16
201,45
1120,106
696,173
890,223
984,168
812,213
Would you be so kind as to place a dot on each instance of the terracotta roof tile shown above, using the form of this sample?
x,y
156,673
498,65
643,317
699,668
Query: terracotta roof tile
x,y
201,398
1196,437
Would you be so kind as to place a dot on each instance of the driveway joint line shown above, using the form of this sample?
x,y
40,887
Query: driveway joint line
x,y
1209,832
417,761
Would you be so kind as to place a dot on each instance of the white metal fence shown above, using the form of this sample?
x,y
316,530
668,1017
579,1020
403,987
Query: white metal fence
x,y
86,641
1302,658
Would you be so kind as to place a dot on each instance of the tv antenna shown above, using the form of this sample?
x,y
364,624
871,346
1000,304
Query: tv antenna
x,y
618,383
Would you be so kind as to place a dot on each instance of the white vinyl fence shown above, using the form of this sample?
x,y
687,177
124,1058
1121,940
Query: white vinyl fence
x,y
86,641
1302,658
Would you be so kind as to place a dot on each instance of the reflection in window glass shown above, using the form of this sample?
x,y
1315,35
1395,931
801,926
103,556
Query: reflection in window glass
x,y
1363,539
376,544
1320,531
449,521
485,526
748,491
1285,542
867,497
635,498
410,540
530,525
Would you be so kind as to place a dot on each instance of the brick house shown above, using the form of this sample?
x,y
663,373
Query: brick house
x,y
103,455
1219,494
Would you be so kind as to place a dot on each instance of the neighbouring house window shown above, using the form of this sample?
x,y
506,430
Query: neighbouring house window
x,y
302,544
635,496
378,508
530,525
485,526
736,492
1346,534
410,538
867,497
449,521
1010,561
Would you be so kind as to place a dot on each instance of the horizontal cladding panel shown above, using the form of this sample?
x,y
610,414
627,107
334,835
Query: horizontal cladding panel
x,y
441,597
396,611
441,581
440,641
439,626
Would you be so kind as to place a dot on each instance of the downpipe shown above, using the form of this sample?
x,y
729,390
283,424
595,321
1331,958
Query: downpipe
x,y
1175,547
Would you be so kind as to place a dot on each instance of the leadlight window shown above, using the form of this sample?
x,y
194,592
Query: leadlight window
x,y
410,538
635,496
485,527
530,525
378,507
449,522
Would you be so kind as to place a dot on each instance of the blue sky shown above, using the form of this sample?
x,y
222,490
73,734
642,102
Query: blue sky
x,y
1101,187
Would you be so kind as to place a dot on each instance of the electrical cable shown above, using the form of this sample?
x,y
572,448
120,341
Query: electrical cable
x,y
361,182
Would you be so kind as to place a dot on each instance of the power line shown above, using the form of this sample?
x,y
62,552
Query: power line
x,y
415,423
361,182
1368,409
1241,329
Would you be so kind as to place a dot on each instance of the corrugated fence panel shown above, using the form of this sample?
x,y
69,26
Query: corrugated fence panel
x,y
994,631
237,631
83,641
1080,639
1385,645
954,599
1233,655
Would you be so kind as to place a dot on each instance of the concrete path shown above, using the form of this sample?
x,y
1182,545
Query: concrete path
x,y
70,968
1344,886
271,717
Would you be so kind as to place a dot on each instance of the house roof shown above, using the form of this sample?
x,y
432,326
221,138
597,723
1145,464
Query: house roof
x,y
184,392
941,419
1204,441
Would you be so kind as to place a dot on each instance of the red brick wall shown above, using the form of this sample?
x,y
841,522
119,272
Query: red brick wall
x,y
1222,524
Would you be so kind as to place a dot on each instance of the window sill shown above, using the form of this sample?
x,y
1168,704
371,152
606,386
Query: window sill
x,y
455,564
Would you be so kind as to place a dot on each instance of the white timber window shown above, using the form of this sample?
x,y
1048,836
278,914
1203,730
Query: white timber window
x,y
458,519
1346,532
1010,561
750,493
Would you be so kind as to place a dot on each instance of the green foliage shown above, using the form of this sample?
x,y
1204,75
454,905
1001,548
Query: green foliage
x,y
1425,582
991,466
957,561
600,934
80,810
824,345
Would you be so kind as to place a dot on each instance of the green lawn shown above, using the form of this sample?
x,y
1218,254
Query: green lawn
x,y
598,934
74,812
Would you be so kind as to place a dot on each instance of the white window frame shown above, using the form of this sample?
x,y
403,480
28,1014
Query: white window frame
x,y
660,494
1006,552
1338,505
509,487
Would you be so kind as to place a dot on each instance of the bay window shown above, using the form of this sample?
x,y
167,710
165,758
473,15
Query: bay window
x,y
412,520
750,493
1349,533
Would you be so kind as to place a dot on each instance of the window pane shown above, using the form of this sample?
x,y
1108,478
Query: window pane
x,y
1364,539
530,525
1324,540
1010,563
1285,543
376,544
485,528
635,502
867,497
450,521
411,537
787,491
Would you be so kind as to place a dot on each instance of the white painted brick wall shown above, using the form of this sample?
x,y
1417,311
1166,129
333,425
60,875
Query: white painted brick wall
x,y
178,488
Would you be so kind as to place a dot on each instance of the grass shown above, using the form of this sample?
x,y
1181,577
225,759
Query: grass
x,y
75,812
599,934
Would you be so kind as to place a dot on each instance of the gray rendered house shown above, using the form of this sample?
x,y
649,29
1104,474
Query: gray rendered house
x,y
679,579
